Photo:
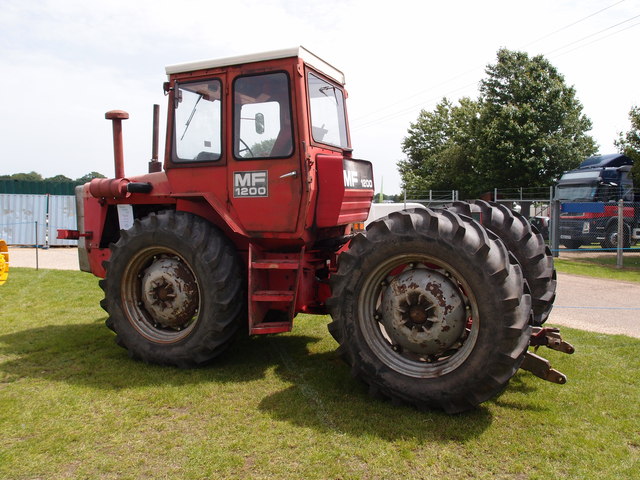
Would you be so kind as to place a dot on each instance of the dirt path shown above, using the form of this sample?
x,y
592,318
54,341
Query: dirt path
x,y
59,258
597,305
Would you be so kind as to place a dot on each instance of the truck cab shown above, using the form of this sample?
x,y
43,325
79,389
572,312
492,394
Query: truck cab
x,y
601,181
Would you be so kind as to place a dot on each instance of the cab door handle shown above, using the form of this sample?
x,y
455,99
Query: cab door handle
x,y
290,174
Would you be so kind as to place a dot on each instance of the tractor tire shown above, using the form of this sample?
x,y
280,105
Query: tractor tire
x,y
429,311
527,246
173,290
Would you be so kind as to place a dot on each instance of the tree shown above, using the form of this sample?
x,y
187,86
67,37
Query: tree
x,y
525,129
31,177
263,148
59,178
440,148
88,177
629,143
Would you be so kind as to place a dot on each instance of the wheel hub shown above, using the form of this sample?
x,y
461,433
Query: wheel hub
x,y
423,312
170,292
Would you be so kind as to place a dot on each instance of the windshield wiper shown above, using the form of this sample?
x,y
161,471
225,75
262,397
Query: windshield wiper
x,y
193,111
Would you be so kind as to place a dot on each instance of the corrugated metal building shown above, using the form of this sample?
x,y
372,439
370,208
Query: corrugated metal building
x,y
41,187
22,217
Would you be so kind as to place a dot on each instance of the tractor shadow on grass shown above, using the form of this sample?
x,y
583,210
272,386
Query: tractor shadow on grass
x,y
319,392
323,396
87,354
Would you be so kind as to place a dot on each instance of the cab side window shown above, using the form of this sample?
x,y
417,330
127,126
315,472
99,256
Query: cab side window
x,y
262,117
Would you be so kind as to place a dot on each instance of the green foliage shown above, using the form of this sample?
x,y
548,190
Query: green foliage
x,y
29,177
73,405
36,177
525,129
440,148
629,142
383,197
263,148
59,178
88,177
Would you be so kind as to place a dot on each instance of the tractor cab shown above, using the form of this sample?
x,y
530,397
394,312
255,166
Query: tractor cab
x,y
264,139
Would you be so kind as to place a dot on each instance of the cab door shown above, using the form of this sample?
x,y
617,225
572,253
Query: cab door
x,y
265,177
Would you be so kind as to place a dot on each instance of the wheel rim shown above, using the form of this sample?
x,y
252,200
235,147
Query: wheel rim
x,y
405,331
160,295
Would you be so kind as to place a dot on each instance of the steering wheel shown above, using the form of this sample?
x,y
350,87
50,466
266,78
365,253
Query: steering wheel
x,y
245,148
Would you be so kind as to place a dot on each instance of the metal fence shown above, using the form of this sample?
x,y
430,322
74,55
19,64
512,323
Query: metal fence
x,y
33,220
567,227
596,225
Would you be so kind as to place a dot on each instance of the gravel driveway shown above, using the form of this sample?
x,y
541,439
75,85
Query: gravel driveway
x,y
62,258
597,305
594,304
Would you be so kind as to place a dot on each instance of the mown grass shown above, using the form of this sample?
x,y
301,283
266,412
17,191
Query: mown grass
x,y
601,266
73,405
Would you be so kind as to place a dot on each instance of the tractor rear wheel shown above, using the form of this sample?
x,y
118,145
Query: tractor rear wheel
x,y
429,311
526,244
173,290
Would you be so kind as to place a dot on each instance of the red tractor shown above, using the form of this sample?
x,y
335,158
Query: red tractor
x,y
248,224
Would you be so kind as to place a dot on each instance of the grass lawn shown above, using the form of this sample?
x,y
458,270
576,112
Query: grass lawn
x,y
73,405
601,266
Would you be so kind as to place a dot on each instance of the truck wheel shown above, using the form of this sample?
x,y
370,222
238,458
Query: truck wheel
x,y
429,311
526,245
611,237
173,290
572,244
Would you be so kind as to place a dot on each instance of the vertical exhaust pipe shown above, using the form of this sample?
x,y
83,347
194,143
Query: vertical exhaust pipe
x,y
154,164
116,116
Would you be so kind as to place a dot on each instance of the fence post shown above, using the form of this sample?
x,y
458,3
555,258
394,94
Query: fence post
x,y
36,242
46,223
620,234
554,231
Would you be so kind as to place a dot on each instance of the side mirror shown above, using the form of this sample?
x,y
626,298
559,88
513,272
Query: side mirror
x,y
259,120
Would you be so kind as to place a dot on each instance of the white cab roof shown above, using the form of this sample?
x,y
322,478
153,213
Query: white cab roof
x,y
308,57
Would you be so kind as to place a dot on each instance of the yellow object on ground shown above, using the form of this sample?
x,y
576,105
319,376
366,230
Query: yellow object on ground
x,y
4,262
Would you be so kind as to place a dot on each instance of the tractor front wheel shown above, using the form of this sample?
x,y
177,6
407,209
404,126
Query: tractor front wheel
x,y
429,311
173,290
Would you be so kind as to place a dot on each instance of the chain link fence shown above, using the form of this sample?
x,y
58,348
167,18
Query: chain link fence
x,y
574,227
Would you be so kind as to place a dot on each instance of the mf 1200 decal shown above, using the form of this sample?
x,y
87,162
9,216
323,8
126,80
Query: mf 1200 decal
x,y
251,184
358,174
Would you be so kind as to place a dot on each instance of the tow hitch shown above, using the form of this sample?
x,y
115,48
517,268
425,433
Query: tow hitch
x,y
540,367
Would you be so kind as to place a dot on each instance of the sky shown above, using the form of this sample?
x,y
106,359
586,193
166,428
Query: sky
x,y
65,63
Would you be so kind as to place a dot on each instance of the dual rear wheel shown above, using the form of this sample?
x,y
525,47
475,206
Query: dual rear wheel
x,y
429,310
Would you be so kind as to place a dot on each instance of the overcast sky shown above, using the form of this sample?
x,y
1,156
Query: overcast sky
x,y
65,63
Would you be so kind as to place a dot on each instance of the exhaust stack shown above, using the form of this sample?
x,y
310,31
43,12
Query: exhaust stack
x,y
154,164
116,116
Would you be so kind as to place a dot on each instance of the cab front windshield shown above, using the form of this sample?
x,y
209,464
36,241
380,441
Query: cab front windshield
x,y
328,120
602,192
576,193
